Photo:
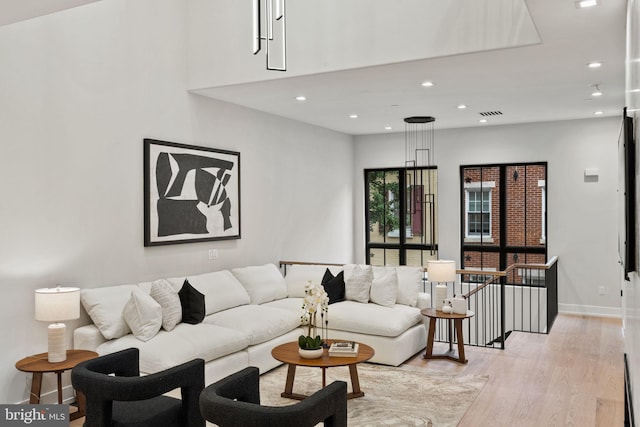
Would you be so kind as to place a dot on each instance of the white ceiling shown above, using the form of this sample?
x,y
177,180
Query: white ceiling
x,y
547,81
542,82
20,10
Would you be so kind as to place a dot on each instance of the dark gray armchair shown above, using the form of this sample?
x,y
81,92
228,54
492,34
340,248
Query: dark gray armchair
x,y
116,394
234,401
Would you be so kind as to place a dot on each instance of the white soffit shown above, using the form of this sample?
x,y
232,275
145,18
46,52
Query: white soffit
x,y
334,35
12,11
527,60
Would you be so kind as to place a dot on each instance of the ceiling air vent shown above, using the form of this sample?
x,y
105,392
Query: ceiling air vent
x,y
490,113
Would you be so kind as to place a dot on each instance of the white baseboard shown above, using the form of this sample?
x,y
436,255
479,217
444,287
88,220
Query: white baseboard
x,y
51,397
590,310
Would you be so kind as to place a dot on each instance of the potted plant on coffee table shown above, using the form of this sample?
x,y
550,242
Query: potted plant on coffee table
x,y
315,301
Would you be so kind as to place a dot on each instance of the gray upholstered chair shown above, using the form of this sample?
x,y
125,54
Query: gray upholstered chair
x,y
234,401
116,394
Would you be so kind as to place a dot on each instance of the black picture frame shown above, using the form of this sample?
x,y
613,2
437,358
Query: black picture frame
x,y
191,193
627,242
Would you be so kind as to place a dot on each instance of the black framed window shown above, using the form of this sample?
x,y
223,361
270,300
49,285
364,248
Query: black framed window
x,y
503,216
401,215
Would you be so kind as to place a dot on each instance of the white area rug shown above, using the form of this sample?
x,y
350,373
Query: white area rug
x,y
403,396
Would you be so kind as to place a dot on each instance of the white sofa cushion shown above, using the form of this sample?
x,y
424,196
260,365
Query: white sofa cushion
x,y
263,283
409,284
357,282
143,314
384,287
372,319
258,322
291,304
104,306
185,342
87,337
221,290
298,275
168,298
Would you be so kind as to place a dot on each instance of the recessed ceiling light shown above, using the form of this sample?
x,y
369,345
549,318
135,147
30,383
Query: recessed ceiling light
x,y
596,90
388,128
586,3
483,120
301,98
461,107
353,116
594,64
427,84
598,113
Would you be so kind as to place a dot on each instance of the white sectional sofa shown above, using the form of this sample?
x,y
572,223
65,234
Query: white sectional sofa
x,y
247,312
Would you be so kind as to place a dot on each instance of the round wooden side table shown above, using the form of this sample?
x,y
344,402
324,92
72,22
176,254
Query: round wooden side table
x,y
454,318
38,364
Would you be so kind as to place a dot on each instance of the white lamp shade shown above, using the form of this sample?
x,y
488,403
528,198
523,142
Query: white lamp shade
x,y
441,271
57,304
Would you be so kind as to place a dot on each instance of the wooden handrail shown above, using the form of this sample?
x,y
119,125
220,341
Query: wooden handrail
x,y
546,266
307,263
509,269
483,272
494,274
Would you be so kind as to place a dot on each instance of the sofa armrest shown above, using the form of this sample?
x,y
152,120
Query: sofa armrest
x,y
424,300
87,337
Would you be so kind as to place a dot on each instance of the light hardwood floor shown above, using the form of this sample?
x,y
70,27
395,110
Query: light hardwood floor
x,y
572,377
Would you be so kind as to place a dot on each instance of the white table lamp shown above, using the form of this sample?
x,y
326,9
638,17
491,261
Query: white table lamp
x,y
55,305
441,271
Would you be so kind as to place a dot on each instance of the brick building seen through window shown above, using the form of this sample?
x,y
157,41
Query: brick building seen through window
x,y
503,218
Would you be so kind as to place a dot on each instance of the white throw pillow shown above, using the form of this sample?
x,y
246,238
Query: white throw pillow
x,y
143,315
384,288
263,283
409,284
358,283
168,298
105,305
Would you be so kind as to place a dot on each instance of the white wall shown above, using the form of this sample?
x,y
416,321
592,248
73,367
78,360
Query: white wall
x,y
582,216
79,90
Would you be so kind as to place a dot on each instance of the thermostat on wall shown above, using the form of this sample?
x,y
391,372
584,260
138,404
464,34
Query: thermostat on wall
x,y
591,172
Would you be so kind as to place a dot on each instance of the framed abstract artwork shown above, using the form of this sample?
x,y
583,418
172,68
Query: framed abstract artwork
x,y
191,194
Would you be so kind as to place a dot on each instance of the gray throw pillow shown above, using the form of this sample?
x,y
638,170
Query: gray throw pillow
x,y
358,284
168,298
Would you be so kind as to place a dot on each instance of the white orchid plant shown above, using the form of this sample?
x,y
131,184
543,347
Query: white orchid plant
x,y
315,301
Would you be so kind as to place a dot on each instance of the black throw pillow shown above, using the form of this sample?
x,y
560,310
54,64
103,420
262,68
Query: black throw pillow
x,y
192,302
333,286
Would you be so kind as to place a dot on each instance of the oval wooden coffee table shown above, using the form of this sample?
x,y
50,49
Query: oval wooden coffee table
x,y
288,353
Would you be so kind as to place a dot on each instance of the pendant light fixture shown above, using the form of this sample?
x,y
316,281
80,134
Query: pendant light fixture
x,y
269,25
418,141
421,184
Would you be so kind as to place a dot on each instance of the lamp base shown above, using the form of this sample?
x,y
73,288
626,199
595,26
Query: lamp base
x,y
441,295
57,351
